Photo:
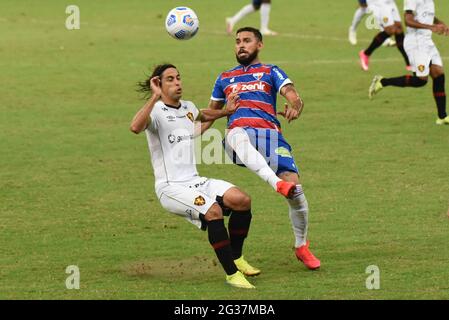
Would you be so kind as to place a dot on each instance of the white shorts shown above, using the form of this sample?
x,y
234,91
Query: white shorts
x,y
386,14
422,52
193,198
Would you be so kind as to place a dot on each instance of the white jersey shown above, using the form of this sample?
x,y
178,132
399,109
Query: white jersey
x,y
170,136
424,12
385,12
380,2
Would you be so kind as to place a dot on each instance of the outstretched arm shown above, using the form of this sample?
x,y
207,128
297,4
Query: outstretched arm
x,y
142,118
295,104
210,115
213,105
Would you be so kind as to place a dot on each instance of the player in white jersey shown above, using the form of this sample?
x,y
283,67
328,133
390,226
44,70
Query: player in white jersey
x,y
169,123
264,6
424,56
362,11
387,15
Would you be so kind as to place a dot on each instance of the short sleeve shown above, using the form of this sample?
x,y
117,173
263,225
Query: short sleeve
x,y
153,121
218,92
279,78
194,110
410,5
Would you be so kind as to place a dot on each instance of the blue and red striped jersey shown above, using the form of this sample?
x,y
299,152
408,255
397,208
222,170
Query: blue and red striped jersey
x,y
257,86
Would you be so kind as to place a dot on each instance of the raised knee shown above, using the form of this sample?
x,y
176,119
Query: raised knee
x,y
245,201
240,202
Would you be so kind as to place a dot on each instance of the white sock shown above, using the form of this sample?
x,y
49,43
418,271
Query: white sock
x,y
358,16
246,10
239,141
264,15
299,212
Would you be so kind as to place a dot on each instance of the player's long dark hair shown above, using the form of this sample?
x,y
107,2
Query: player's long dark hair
x,y
145,86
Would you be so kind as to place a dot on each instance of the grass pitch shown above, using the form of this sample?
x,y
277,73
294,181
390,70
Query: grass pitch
x,y
76,187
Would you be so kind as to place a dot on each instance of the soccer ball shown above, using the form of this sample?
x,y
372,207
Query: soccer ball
x,y
182,23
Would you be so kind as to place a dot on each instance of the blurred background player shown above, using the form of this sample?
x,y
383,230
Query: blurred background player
x,y
169,124
254,133
361,11
387,16
264,6
424,56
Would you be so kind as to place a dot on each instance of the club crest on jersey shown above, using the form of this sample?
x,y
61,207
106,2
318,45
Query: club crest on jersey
x,y
190,116
421,68
385,19
258,75
199,201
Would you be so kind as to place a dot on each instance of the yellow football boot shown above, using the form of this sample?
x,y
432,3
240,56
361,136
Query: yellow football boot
x,y
238,280
375,86
442,121
245,268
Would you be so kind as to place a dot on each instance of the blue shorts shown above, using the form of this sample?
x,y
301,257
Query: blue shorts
x,y
257,3
362,2
272,145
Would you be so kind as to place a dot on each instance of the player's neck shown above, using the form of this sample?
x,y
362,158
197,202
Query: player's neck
x,y
171,102
255,61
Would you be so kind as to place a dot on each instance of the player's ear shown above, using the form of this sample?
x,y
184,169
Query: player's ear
x,y
260,45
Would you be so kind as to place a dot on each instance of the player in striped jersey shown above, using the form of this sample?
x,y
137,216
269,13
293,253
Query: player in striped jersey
x,y
255,135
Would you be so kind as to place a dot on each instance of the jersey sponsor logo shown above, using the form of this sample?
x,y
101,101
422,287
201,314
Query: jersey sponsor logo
x,y
426,14
172,138
239,87
190,116
199,201
421,68
258,75
182,138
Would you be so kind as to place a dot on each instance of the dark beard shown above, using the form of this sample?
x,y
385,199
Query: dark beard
x,y
248,60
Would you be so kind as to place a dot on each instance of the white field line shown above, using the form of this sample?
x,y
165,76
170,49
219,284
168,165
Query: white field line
x,y
297,36
342,61
281,35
